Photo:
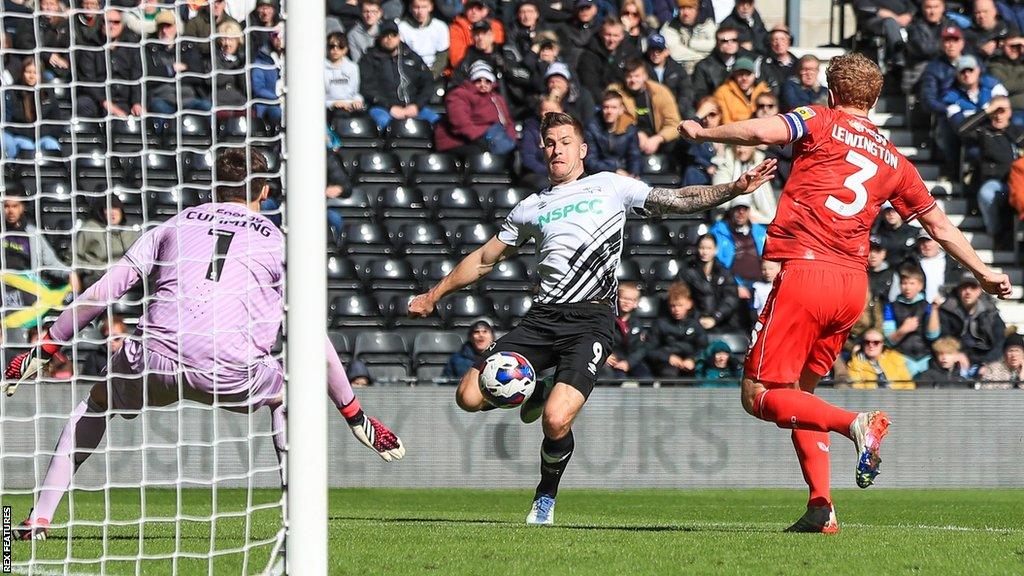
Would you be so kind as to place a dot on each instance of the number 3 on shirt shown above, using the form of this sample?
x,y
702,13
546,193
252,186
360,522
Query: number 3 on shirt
x,y
855,183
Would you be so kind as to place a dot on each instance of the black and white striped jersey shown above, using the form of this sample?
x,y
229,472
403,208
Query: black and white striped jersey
x,y
578,230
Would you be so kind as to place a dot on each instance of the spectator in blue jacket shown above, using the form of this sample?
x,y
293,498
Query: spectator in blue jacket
x,y
480,336
535,169
266,73
804,89
937,78
740,245
612,146
972,92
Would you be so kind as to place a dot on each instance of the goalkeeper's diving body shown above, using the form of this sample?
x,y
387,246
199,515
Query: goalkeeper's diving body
x,y
216,280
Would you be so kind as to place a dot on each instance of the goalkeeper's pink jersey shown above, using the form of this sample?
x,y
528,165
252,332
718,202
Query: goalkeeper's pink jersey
x,y
215,277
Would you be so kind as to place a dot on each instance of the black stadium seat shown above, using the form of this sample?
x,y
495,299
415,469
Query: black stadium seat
x,y
366,238
358,132
509,276
486,168
435,167
378,167
457,202
386,350
422,238
499,200
341,344
398,314
342,274
400,202
355,311
462,310
628,271
389,274
410,133
431,350
658,170
512,307
353,203
469,237
662,273
646,239
431,269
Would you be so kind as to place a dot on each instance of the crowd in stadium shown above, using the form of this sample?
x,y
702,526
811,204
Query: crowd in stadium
x,y
432,131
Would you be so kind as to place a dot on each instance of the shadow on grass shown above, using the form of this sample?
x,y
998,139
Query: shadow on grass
x,y
608,527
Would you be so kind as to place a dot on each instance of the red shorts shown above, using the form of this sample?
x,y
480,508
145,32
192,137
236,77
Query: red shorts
x,y
805,321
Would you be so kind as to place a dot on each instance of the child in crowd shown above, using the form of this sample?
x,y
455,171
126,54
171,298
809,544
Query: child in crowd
x,y
678,341
911,323
762,288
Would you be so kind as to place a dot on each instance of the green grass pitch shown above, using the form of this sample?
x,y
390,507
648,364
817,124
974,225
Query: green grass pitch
x,y
473,532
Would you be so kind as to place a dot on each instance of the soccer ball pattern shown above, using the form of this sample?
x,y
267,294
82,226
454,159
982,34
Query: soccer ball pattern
x,y
507,379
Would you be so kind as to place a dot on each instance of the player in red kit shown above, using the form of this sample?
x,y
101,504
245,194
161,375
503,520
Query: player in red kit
x,y
843,172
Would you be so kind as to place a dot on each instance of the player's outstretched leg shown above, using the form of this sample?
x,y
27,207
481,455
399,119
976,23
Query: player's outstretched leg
x,y
561,409
81,435
812,451
468,395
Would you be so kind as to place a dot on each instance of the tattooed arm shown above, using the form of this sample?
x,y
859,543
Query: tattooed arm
x,y
692,199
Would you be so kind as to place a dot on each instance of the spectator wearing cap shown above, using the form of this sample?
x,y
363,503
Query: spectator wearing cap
x,y
738,94
971,93
578,30
478,338
171,67
663,69
997,143
104,238
363,35
779,64
972,317
747,21
574,99
936,80
713,71
947,367
883,281
1008,68
688,38
987,29
341,80
924,40
263,28
425,35
634,21
732,163
478,118
460,32
526,38
604,58
896,236
1007,372
111,78
358,374
650,107
740,245
483,50
52,39
534,174
875,365
717,368
395,82
887,19
200,28
612,146
804,89
940,271
230,81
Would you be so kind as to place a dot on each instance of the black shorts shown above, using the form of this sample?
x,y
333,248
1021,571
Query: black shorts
x,y
576,339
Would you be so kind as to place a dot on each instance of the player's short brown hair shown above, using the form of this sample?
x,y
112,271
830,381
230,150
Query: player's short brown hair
x,y
233,169
556,119
678,290
854,80
946,344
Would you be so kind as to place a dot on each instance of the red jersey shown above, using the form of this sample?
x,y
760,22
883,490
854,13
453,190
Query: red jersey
x,y
843,172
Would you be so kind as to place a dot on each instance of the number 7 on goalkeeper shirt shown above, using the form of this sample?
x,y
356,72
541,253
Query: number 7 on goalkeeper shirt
x,y
216,277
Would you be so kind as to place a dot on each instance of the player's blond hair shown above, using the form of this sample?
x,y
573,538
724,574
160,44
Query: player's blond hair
x,y
854,80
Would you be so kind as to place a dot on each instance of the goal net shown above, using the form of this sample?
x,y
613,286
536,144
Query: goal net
x,y
112,118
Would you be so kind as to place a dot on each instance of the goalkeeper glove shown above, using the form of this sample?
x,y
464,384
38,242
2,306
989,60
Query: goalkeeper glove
x,y
25,365
376,436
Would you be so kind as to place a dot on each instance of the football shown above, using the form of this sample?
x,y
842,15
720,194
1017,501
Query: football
x,y
507,379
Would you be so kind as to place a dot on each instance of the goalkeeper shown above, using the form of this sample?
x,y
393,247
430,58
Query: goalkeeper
x,y
215,276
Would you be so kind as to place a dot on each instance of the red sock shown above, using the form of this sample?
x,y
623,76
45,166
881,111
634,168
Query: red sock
x,y
791,408
812,452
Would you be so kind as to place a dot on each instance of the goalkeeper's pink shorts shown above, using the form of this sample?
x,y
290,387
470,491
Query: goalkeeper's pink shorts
x,y
139,377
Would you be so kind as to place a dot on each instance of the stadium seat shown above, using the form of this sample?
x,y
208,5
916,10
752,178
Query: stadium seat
x,y
461,310
355,311
55,197
342,274
157,170
628,271
431,270
499,200
437,168
508,276
431,351
352,203
388,348
645,239
662,273
486,168
648,309
197,167
389,274
341,345
512,307
97,166
457,202
366,238
357,132
170,202
195,130
469,237
400,202
126,134
410,133
233,129
687,236
421,238
378,167
658,170
737,341
84,133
